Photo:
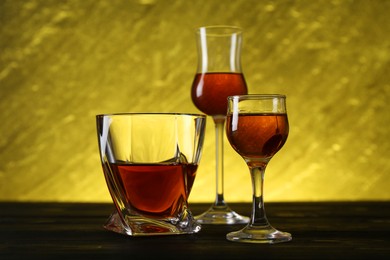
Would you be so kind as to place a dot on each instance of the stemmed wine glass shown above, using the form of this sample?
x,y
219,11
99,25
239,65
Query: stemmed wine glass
x,y
257,127
218,76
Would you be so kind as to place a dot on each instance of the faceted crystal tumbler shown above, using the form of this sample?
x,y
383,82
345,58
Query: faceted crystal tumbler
x,y
149,162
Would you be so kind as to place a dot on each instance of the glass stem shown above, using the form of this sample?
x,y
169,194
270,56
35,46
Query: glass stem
x,y
219,122
258,218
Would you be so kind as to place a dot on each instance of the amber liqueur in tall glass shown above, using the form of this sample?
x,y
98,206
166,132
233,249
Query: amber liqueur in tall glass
x,y
210,91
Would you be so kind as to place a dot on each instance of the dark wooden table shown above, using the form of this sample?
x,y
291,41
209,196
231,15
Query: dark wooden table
x,y
326,230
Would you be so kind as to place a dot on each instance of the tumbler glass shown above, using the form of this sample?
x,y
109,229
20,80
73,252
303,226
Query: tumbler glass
x,y
149,162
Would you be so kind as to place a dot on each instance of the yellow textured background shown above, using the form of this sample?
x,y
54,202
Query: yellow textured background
x,y
63,62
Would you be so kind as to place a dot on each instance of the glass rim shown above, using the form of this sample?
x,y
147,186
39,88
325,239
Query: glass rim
x,y
152,113
220,30
253,96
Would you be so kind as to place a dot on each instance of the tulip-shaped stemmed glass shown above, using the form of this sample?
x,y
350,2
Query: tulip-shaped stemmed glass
x,y
218,76
257,128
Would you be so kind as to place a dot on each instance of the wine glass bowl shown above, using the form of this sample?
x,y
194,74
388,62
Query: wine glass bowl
x,y
257,128
257,136
219,75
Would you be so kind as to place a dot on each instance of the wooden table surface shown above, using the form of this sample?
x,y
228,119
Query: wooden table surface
x,y
325,230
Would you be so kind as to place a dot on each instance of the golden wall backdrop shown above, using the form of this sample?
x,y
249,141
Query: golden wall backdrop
x,y
63,62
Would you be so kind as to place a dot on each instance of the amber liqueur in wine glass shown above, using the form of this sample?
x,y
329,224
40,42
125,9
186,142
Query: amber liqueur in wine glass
x,y
219,75
257,128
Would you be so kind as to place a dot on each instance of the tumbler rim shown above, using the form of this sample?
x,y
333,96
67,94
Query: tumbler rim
x,y
256,96
152,113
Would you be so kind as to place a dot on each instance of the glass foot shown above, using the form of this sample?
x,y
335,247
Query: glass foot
x,y
251,234
221,215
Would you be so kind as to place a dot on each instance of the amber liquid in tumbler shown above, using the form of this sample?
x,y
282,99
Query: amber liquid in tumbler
x,y
257,135
210,91
156,190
